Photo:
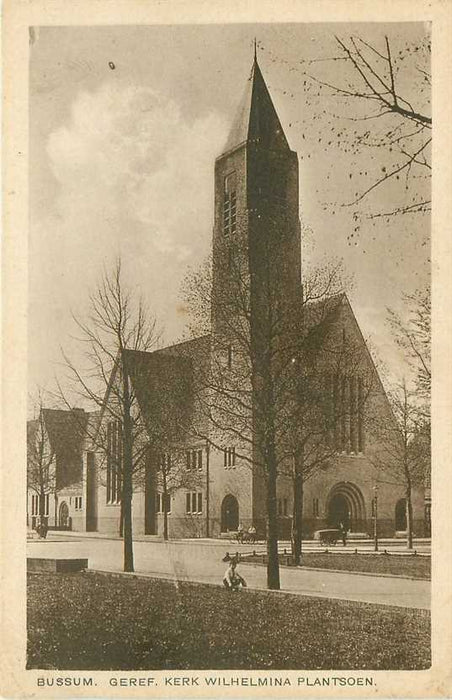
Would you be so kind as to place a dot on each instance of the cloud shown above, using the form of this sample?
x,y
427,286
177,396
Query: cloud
x,y
130,158
134,177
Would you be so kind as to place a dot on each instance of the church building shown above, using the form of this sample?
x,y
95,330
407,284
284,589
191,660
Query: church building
x,y
201,481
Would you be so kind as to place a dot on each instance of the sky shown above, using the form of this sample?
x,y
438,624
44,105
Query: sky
x,y
125,125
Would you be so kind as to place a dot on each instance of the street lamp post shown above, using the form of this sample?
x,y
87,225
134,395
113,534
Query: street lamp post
x,y
376,518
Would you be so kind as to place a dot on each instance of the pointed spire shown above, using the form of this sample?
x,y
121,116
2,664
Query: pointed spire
x,y
256,120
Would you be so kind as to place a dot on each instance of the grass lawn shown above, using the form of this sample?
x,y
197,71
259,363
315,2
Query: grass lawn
x,y
413,566
90,621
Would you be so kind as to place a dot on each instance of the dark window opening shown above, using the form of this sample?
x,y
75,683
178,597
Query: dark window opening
x,y
194,460
229,456
193,503
114,462
230,204
315,507
163,503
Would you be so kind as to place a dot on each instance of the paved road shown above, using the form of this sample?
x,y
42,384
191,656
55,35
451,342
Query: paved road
x,y
202,561
421,545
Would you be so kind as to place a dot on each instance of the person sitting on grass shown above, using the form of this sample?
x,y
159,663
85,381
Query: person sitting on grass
x,y
231,579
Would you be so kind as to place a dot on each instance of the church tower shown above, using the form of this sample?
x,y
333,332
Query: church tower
x,y
256,226
256,274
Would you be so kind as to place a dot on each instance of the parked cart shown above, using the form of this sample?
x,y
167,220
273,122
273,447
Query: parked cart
x,y
326,537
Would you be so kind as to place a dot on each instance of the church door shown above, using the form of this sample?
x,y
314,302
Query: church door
x,y
345,504
339,512
229,514
63,519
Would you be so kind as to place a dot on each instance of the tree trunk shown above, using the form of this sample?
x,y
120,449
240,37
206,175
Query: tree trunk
x,y
273,581
409,519
127,472
128,541
297,527
165,506
42,502
297,520
121,518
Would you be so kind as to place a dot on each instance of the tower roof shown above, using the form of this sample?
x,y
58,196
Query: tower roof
x,y
256,119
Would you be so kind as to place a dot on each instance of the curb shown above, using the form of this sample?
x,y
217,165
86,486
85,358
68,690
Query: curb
x,y
339,571
267,591
355,573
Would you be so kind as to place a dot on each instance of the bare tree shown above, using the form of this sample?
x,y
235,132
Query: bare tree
x,y
394,124
404,447
246,386
412,332
333,383
115,325
373,99
41,458
254,396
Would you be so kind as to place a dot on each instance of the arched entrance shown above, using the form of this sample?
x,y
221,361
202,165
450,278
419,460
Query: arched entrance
x,y
63,515
339,511
345,505
400,515
229,514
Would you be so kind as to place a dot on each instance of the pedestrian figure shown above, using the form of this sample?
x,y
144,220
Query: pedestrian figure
x,y
252,534
232,579
42,528
344,534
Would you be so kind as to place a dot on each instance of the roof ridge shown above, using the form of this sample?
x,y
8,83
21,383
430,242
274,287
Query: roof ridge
x,y
169,347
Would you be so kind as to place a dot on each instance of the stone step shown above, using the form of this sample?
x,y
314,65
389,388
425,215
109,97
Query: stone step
x,y
56,565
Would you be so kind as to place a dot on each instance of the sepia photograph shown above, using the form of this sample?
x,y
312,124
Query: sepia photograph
x,y
229,347
224,260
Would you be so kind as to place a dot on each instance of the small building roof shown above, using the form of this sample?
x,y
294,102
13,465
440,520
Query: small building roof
x,y
66,429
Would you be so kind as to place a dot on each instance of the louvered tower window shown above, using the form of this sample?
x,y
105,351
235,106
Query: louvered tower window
x,y
230,204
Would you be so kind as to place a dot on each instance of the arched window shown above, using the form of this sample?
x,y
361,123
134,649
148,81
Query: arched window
x,y
229,514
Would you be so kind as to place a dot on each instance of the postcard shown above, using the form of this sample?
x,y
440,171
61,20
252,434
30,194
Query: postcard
x,y
225,265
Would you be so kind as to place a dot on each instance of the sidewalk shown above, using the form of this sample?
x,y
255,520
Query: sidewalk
x,y
183,561
421,545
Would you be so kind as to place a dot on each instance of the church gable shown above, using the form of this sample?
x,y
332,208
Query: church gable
x,y
335,352
163,386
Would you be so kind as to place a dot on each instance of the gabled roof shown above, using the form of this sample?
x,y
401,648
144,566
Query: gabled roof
x,y
317,311
66,430
322,314
166,372
317,317
163,386
256,120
